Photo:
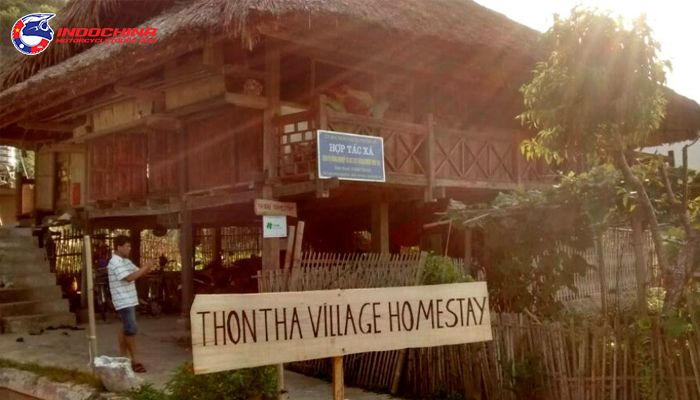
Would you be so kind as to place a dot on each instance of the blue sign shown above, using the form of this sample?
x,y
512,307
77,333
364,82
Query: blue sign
x,y
350,157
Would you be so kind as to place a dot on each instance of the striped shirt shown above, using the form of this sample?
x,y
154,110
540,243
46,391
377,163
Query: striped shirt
x,y
123,292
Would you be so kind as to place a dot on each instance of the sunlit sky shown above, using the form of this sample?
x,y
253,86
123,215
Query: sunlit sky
x,y
675,24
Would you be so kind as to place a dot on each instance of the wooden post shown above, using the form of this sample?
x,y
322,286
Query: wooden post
x,y
380,227
135,236
601,273
272,92
217,245
430,159
468,252
338,379
297,244
290,247
92,335
517,163
187,256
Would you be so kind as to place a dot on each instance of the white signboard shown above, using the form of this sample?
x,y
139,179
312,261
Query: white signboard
x,y
272,207
274,226
231,331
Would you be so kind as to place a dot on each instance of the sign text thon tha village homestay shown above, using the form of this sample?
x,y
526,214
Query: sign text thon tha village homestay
x,y
232,331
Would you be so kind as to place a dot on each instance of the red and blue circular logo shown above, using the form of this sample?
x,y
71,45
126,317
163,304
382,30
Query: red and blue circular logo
x,y
32,34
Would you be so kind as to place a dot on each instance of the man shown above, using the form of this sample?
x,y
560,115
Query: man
x,y
122,275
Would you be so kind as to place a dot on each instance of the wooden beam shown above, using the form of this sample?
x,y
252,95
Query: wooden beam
x,y
134,126
47,126
239,71
66,148
247,100
198,203
131,91
133,211
164,122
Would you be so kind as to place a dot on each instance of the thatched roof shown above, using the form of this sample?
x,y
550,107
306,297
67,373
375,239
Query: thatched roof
x,y
66,71
458,21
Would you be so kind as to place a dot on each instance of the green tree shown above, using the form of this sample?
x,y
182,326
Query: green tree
x,y
12,10
596,98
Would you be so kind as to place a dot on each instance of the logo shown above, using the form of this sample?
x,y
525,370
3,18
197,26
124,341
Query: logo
x,y
32,34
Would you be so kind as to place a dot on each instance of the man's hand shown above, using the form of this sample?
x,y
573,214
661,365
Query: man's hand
x,y
137,274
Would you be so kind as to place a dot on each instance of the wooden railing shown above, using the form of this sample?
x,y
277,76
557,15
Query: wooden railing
x,y
418,154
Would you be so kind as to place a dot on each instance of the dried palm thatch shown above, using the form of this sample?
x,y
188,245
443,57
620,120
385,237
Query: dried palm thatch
x,y
458,21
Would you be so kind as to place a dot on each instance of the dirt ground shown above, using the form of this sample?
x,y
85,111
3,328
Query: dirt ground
x,y
162,345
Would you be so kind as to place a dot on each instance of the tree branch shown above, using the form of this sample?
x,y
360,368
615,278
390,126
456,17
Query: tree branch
x,y
645,202
678,207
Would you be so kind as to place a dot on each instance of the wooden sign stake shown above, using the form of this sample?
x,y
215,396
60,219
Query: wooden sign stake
x,y
338,380
92,335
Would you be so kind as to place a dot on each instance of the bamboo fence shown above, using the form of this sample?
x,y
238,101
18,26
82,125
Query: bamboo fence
x,y
619,266
525,360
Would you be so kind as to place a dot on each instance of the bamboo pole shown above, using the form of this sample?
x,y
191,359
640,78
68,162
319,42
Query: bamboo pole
x,y
92,335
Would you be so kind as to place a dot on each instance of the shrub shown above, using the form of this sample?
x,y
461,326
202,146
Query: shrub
x,y
246,384
439,269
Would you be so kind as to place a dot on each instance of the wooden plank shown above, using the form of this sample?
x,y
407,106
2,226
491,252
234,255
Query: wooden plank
x,y
273,207
295,328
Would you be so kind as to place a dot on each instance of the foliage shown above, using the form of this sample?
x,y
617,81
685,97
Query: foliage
x,y
526,378
147,392
526,270
599,91
12,10
55,374
245,384
439,269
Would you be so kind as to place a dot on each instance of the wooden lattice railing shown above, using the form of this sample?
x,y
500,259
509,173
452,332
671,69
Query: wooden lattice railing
x,y
414,153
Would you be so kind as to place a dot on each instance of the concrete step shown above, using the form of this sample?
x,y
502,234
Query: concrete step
x,y
33,307
32,280
12,242
15,232
21,255
10,295
29,268
26,323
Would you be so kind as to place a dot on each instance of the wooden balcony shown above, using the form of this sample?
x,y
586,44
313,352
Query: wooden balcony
x,y
414,154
